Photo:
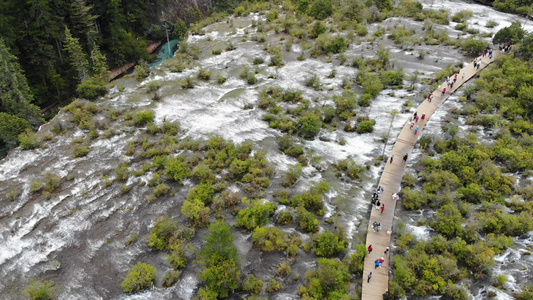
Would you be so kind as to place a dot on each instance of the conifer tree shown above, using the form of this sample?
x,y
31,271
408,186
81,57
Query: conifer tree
x,y
76,55
15,95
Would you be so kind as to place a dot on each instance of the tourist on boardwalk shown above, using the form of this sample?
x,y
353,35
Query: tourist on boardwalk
x,y
412,124
382,208
463,76
376,263
392,157
416,119
423,116
455,78
374,226
415,115
369,276
381,261
378,227
405,157
381,189
369,249
416,130
378,204
386,251
444,91
430,96
373,201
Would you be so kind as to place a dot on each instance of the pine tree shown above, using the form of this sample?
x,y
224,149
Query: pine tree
x,y
99,62
15,95
76,54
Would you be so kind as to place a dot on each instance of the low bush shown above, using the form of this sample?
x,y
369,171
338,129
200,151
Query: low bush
x,y
269,239
91,88
255,215
142,118
284,218
171,277
40,290
307,222
328,244
252,285
141,276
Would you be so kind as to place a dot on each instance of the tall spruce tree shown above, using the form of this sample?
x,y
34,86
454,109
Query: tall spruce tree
x,y
77,57
15,95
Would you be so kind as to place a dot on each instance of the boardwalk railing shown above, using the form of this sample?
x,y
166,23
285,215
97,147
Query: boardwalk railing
x,y
114,73
377,286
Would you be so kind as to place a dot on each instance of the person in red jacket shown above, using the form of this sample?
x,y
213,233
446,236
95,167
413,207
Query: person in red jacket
x,y
382,207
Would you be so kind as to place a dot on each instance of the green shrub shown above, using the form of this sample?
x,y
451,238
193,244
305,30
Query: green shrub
x,y
284,218
258,61
330,280
328,244
510,35
188,83
269,239
196,211
132,239
474,47
462,16
409,180
366,126
273,286
320,9
177,257
317,29
202,192
252,285
256,215
153,86
142,70
392,78
141,276
292,175
91,88
221,79
161,233
313,81
11,127
357,260
204,75
28,140
307,221
161,189
40,290
51,181
310,125
81,151
142,118
171,277
176,169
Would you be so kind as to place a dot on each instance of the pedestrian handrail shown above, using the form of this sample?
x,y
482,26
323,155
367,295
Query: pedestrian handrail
x,y
376,276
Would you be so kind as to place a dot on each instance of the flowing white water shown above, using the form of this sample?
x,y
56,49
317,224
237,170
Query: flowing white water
x,y
81,226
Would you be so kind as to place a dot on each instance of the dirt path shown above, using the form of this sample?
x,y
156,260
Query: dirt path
x,y
391,179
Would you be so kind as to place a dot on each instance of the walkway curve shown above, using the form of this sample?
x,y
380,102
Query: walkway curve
x,y
391,178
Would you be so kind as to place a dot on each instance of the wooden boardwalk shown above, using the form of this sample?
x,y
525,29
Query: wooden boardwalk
x,y
391,179
114,73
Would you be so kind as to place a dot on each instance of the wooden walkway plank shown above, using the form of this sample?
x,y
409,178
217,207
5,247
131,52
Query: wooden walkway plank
x,y
391,178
